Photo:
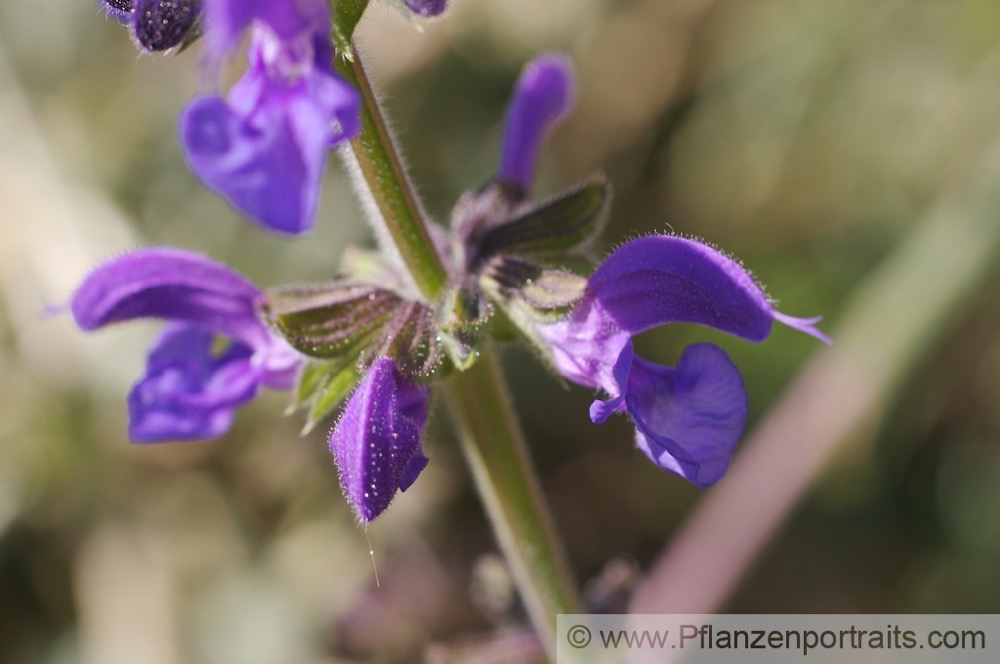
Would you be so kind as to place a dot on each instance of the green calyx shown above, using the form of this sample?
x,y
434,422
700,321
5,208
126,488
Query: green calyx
x,y
513,279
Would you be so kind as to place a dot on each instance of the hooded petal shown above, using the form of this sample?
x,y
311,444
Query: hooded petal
x,y
662,279
265,150
654,281
689,419
171,284
190,392
376,442
544,93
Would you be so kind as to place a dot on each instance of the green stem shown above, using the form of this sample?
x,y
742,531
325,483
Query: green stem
x,y
491,437
383,173
494,447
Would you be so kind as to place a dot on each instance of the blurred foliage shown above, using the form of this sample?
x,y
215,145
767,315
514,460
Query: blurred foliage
x,y
805,138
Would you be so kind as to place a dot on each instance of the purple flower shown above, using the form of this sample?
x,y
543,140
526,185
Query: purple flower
x,y
192,383
689,418
544,93
376,442
264,148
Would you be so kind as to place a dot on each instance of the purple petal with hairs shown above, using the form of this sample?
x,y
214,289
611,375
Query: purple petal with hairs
x,y
169,284
376,442
190,389
664,279
661,279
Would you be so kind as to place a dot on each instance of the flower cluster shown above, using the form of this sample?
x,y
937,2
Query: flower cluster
x,y
364,342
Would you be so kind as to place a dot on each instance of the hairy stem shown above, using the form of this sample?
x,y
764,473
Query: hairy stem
x,y
494,447
381,169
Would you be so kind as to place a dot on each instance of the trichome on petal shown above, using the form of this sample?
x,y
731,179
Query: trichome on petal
x,y
376,442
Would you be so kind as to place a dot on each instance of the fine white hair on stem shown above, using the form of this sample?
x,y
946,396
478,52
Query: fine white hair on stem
x,y
369,204
372,213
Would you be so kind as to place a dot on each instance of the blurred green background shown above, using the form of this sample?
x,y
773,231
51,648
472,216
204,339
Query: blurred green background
x,y
811,139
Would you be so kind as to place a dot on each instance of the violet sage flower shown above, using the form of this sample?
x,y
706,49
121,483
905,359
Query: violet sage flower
x,y
366,341
264,148
192,385
376,441
688,419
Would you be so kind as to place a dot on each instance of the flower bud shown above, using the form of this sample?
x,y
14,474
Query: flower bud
x,y
157,24
163,24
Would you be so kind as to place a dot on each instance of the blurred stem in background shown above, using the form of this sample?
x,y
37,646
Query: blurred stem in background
x,y
891,323
491,436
